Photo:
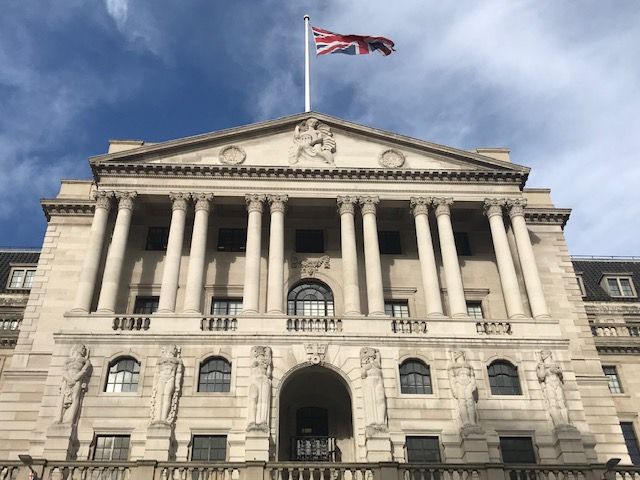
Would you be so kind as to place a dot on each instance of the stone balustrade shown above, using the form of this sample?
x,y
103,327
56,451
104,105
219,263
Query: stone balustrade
x,y
132,322
601,329
314,324
406,325
494,328
10,324
219,324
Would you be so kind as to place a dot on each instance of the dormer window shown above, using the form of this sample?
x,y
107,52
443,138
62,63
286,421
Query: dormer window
x,y
581,285
619,286
21,278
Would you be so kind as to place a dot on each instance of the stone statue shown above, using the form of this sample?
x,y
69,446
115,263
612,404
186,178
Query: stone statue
x,y
75,376
551,381
312,140
260,389
375,404
464,388
166,387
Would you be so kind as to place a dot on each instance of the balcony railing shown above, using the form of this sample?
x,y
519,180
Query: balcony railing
x,y
313,449
314,324
9,330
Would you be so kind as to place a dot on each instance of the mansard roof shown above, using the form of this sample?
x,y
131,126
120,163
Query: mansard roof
x,y
593,269
13,257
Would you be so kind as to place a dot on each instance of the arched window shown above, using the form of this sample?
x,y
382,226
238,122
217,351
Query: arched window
x,y
415,377
310,299
503,378
215,375
124,374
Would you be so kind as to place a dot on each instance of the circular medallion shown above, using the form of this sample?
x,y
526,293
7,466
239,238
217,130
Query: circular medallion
x,y
232,155
392,158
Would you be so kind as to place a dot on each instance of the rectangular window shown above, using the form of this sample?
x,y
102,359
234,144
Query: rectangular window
x,y
423,449
397,308
209,448
389,243
157,238
111,447
474,309
146,305
21,277
463,247
581,285
614,381
309,241
620,287
631,440
232,239
517,450
226,306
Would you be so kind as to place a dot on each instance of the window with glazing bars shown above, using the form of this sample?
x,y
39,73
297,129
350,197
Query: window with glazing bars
x,y
423,449
124,375
503,378
517,450
631,440
620,287
226,306
415,377
215,376
21,278
397,308
146,305
209,448
614,380
310,299
111,447
232,239
474,309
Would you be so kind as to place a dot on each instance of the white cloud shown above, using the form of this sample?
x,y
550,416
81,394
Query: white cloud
x,y
118,10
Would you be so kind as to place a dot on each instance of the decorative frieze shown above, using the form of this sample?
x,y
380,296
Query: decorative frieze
x,y
309,267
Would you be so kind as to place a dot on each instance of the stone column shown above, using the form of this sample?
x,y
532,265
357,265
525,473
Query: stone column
x,y
251,293
452,275
89,272
171,271
275,278
506,269
351,287
373,269
115,255
430,283
527,260
195,275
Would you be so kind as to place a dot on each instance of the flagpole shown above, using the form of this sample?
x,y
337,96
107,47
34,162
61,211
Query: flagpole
x,y
307,81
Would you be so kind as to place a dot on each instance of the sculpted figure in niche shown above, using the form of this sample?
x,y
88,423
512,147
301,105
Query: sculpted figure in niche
x,y
312,140
464,388
260,389
75,376
166,388
551,381
375,404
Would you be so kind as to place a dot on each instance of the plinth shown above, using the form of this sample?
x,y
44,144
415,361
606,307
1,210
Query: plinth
x,y
158,444
257,445
378,444
473,444
60,444
568,444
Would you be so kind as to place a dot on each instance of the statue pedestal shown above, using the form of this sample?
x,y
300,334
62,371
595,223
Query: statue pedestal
x,y
60,443
569,448
473,444
257,446
158,444
378,445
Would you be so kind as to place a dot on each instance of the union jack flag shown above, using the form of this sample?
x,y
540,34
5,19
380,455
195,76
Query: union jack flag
x,y
329,42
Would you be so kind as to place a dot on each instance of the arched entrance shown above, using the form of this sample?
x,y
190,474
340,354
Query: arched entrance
x,y
315,417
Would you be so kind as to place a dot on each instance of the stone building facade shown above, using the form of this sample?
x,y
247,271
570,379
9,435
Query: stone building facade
x,y
306,289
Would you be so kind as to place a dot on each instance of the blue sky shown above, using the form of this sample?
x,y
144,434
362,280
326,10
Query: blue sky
x,y
557,82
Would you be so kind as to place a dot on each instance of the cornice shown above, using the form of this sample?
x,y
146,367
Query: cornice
x,y
618,349
607,308
546,216
67,207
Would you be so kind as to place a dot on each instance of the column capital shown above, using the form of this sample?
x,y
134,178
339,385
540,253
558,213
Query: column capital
x,y
278,203
516,207
442,205
179,200
420,205
493,206
368,204
346,203
103,199
125,200
255,202
202,200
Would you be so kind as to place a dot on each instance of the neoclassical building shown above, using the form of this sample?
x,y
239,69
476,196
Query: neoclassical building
x,y
307,290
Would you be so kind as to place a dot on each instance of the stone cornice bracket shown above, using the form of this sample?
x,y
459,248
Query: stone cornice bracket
x,y
278,203
179,201
125,200
542,216
368,204
202,200
442,205
493,206
420,205
346,204
516,207
255,202
103,198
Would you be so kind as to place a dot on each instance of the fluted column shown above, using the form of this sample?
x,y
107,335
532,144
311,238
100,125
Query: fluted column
x,y
452,275
171,270
195,275
430,283
89,272
373,269
115,255
351,287
275,275
527,259
251,293
506,269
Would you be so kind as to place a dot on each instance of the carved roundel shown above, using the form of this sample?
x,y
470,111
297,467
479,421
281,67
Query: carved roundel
x,y
232,155
392,158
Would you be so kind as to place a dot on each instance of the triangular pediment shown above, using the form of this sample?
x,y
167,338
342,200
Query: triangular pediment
x,y
307,140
